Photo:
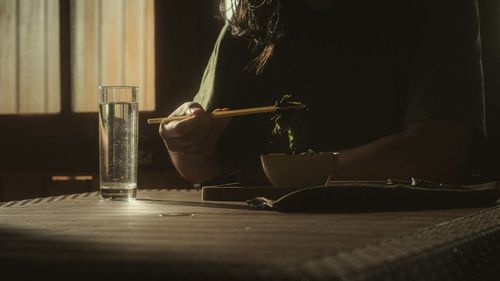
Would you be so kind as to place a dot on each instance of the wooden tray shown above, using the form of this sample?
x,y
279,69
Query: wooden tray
x,y
242,193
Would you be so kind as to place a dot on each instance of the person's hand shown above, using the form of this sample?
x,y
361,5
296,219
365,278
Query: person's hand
x,y
195,136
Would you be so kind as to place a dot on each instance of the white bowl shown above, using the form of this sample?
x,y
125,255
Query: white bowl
x,y
300,170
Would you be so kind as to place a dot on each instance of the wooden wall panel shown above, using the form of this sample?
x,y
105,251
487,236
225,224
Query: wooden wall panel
x,y
18,187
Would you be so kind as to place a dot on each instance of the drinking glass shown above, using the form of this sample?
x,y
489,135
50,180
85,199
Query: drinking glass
x,y
118,140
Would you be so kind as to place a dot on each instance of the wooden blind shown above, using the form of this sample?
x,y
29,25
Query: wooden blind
x,y
112,44
29,57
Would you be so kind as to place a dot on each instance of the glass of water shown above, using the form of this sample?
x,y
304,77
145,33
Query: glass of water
x,y
118,139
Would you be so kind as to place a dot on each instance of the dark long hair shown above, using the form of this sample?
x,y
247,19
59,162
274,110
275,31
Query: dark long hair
x,y
258,21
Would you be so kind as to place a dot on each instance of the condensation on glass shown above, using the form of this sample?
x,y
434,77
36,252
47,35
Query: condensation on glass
x,y
118,141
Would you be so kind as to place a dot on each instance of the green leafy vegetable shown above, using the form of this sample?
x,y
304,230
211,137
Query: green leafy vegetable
x,y
289,122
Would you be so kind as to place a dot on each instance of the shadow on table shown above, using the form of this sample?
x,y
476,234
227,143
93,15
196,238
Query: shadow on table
x,y
29,255
235,206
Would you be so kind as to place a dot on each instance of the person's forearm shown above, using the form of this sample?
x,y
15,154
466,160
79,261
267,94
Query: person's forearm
x,y
403,155
197,169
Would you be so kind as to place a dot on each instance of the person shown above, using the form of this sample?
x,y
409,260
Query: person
x,y
395,86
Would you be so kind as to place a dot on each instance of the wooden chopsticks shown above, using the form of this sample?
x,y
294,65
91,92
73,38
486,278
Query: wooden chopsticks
x,y
219,114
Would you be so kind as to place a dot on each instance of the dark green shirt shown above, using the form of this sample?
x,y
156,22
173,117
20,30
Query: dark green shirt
x,y
364,69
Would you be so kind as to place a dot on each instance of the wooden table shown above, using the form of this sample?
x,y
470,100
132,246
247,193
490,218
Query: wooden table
x,y
173,235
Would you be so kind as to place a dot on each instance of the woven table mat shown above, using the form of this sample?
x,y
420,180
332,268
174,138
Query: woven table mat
x,y
467,248
462,249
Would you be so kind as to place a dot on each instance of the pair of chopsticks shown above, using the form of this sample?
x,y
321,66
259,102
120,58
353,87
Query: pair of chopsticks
x,y
224,114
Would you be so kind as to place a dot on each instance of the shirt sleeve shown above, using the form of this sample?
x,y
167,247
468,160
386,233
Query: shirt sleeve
x,y
225,75
226,84
446,80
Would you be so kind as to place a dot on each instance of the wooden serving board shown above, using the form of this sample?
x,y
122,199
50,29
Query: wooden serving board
x,y
242,193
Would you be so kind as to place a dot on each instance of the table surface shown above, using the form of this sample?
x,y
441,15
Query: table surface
x,y
174,233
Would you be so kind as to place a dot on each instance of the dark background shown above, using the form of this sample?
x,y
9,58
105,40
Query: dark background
x,y
35,148
489,155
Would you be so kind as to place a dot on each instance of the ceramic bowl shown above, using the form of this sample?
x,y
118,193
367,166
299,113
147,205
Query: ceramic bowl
x,y
301,170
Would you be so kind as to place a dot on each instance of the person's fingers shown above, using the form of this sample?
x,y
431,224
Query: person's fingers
x,y
195,109
198,134
196,122
199,117
189,145
168,130
221,123
201,141
208,142
193,138
219,126
175,146
175,129
216,129
185,109
220,109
